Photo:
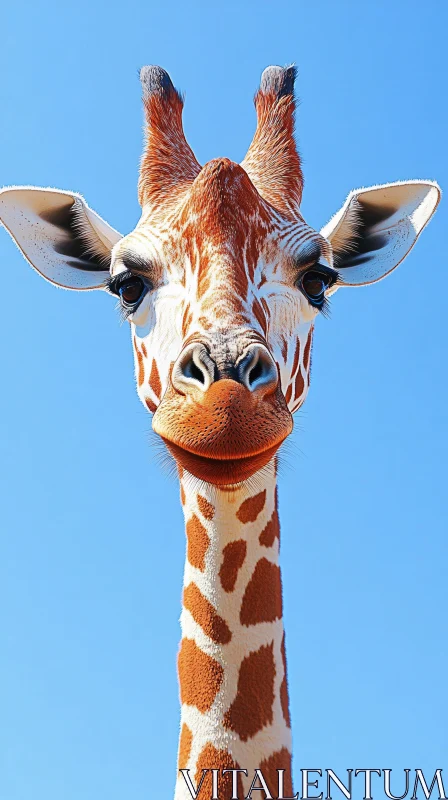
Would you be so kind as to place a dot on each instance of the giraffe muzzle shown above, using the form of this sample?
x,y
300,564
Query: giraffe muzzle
x,y
223,430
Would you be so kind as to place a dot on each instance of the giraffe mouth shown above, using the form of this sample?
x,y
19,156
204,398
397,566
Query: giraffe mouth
x,y
224,435
220,471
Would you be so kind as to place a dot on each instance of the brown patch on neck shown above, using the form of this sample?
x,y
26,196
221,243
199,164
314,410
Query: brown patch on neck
x,y
154,380
307,351
206,508
269,767
262,601
271,532
284,699
233,554
150,405
299,385
197,543
185,742
295,363
252,708
211,758
251,508
214,626
141,366
200,676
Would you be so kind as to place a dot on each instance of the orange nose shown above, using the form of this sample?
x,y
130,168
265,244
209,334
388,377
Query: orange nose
x,y
225,433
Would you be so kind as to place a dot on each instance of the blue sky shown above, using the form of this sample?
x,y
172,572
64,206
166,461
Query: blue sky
x,y
92,546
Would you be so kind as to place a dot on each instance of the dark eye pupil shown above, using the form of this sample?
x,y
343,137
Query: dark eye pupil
x,y
314,284
131,290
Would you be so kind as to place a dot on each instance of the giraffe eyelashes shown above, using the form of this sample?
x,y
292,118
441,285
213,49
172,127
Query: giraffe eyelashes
x,y
314,283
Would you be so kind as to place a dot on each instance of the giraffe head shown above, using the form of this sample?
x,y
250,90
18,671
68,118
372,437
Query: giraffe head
x,y
222,279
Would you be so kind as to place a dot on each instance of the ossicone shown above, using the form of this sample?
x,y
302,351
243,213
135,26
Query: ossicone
x,y
272,161
168,163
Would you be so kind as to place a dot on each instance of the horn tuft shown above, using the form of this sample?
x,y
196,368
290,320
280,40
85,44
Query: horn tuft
x,y
278,81
155,80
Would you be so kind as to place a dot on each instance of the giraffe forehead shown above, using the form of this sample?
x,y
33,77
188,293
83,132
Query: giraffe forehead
x,y
220,186
222,229
224,218
232,237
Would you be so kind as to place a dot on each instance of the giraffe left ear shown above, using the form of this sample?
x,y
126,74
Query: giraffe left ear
x,y
67,242
377,227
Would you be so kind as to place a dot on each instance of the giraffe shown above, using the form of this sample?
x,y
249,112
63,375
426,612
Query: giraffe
x,y
222,281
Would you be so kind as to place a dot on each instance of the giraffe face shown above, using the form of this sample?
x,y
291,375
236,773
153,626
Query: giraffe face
x,y
222,279
221,308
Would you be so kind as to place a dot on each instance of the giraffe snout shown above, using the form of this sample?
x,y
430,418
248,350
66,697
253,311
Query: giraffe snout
x,y
223,416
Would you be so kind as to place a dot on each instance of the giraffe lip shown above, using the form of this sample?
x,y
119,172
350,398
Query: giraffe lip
x,y
227,435
221,471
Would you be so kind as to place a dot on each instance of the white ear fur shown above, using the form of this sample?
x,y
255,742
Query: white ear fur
x,y
376,228
60,236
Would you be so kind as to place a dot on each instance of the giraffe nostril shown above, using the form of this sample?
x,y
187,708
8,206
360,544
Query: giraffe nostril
x,y
257,370
191,370
255,373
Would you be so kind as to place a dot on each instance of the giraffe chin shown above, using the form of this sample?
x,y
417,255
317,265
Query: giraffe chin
x,y
219,471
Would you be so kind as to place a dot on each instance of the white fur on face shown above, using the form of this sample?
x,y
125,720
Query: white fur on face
x,y
172,310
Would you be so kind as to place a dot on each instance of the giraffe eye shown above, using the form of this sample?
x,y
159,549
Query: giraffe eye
x,y
131,291
130,288
314,284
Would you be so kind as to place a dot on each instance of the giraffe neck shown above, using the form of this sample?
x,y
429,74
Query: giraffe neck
x,y
231,663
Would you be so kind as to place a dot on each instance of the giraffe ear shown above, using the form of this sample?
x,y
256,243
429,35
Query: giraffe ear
x,y
377,227
60,236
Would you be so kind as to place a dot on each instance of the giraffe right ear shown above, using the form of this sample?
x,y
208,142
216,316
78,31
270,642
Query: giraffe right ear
x,y
377,227
60,236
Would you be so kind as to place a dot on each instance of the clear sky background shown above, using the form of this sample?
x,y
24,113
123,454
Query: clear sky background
x,y
92,542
